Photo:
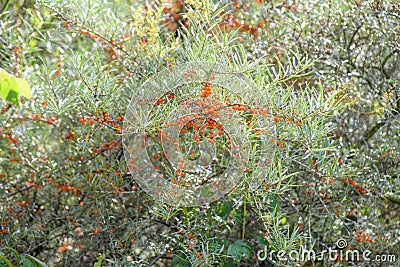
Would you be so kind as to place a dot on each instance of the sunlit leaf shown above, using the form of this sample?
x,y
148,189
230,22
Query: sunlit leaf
x,y
24,87
11,88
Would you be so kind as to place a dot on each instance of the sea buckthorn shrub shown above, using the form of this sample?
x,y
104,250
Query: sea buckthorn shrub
x,y
67,195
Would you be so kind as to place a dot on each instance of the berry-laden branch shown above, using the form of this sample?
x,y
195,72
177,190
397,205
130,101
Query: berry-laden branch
x,y
102,39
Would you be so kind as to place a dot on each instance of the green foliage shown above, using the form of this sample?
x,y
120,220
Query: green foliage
x,y
11,88
239,249
22,260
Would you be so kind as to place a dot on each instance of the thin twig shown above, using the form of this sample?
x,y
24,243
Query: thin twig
x,y
21,190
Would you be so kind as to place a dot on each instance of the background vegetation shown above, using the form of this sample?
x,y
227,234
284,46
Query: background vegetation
x,y
329,71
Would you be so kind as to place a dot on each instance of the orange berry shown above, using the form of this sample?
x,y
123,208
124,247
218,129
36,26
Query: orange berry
x,y
363,191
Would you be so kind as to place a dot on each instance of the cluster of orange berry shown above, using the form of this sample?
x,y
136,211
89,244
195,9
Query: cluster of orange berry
x,y
67,188
173,18
65,246
31,182
106,119
362,236
309,191
232,22
352,182
11,139
97,231
17,54
351,212
206,90
240,107
111,145
60,65
48,120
